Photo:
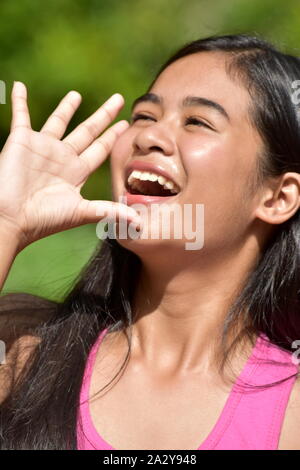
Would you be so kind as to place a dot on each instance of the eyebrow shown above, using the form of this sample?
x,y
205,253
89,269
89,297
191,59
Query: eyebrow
x,y
187,101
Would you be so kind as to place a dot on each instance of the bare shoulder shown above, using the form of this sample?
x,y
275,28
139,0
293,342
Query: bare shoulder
x,y
15,359
290,436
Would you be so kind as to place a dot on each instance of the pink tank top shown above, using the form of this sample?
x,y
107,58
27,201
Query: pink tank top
x,y
250,420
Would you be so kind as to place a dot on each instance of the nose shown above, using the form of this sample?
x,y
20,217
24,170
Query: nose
x,y
153,138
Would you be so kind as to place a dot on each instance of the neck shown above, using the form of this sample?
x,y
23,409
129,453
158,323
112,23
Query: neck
x,y
180,309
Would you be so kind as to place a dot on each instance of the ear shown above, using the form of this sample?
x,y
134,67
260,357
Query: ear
x,y
280,199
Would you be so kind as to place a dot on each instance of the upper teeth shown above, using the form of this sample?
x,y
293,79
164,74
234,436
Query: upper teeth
x,y
147,176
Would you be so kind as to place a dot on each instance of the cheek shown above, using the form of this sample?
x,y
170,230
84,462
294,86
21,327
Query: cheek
x,y
207,167
120,149
214,170
118,158
216,178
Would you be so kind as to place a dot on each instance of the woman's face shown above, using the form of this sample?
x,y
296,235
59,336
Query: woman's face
x,y
207,146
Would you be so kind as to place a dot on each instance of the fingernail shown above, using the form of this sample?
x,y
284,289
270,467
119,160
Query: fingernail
x,y
138,221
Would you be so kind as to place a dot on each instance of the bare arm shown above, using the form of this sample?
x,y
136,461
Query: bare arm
x,y
9,248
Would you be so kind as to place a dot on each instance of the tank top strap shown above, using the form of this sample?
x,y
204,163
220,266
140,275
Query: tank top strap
x,y
86,433
260,408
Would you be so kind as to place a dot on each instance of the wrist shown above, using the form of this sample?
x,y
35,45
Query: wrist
x,y
10,237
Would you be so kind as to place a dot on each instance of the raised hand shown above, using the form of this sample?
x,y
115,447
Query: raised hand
x,y
41,175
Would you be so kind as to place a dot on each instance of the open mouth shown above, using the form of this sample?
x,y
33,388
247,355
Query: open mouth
x,y
150,184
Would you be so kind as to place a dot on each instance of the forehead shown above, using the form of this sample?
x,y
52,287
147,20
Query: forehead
x,y
202,74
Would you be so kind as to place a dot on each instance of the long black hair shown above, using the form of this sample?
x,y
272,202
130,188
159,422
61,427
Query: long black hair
x,y
40,411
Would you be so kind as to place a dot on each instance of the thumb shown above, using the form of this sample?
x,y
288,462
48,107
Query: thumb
x,y
94,211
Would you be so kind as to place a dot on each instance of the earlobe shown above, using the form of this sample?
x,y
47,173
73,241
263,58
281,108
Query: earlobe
x,y
280,204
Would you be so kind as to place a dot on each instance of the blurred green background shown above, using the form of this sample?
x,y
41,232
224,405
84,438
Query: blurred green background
x,y
98,48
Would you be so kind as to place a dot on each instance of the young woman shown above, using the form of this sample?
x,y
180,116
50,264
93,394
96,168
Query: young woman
x,y
157,346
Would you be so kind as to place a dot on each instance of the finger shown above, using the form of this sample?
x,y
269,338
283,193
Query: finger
x,y
84,134
20,113
97,152
95,211
58,121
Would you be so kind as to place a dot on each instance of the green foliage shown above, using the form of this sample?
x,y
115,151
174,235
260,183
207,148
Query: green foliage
x,y
98,48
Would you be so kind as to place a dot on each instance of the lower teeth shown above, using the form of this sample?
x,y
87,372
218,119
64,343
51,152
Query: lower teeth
x,y
136,188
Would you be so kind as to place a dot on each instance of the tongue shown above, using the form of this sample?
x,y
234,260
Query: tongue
x,y
152,188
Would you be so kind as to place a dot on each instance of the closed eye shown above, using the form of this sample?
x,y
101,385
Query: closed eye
x,y
190,120
138,116
197,122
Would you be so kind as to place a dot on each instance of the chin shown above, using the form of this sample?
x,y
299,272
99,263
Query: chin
x,y
161,247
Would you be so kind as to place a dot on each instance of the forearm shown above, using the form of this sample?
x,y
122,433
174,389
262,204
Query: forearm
x,y
9,246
